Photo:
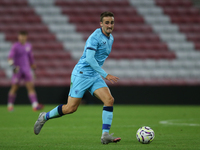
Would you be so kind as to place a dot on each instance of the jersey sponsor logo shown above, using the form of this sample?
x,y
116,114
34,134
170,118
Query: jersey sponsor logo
x,y
103,43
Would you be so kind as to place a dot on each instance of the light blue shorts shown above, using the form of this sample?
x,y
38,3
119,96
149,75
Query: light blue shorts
x,y
79,85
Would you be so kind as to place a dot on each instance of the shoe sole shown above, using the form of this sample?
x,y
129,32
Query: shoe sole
x,y
117,140
114,141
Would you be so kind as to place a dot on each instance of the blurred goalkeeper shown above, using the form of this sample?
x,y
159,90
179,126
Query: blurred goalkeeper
x,y
21,60
87,76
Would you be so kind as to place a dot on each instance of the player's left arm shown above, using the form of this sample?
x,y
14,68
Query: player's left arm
x,y
112,78
31,60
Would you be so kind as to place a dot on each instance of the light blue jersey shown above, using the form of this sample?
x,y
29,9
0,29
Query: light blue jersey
x,y
86,73
99,45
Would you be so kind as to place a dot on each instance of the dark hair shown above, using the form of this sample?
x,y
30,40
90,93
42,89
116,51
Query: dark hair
x,y
23,32
106,14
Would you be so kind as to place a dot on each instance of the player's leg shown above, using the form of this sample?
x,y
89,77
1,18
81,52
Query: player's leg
x,y
58,111
70,107
77,90
102,92
32,96
12,96
105,96
12,92
31,91
107,115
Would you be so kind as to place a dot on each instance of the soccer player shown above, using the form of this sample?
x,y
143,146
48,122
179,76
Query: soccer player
x,y
86,75
21,59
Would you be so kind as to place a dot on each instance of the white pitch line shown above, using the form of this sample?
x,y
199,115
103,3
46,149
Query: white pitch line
x,y
174,122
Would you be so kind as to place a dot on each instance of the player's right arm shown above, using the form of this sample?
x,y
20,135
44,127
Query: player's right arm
x,y
31,61
11,59
11,55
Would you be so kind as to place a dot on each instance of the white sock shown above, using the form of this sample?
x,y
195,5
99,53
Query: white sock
x,y
10,104
34,104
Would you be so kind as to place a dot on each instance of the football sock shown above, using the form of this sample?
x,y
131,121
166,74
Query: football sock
x,y
33,99
54,113
11,99
107,117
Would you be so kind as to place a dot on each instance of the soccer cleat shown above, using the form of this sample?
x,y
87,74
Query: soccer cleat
x,y
39,123
108,138
38,107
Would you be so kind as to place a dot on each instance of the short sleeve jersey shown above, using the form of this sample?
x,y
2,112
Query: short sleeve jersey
x,y
99,43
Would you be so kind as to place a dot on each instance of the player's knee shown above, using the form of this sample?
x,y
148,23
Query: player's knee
x,y
110,101
73,109
70,110
13,90
31,91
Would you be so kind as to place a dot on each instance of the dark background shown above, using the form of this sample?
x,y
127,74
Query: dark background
x,y
123,95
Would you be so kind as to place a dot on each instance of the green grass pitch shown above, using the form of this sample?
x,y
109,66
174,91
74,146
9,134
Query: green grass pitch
x,y
175,127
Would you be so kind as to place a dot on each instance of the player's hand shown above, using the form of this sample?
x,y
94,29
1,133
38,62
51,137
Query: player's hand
x,y
16,69
10,62
34,75
111,78
33,67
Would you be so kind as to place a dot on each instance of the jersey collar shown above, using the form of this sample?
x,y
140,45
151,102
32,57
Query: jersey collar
x,y
21,43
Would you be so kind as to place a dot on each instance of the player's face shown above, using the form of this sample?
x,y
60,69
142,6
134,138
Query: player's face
x,y
107,25
22,38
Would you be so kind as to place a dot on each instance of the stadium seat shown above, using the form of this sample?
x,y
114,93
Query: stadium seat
x,y
172,3
186,17
2,74
13,3
149,47
18,15
128,23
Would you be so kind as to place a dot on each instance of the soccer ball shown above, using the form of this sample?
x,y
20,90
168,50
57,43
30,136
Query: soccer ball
x,y
145,135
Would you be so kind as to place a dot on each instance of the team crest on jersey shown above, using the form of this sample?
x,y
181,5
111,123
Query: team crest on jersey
x,y
28,49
